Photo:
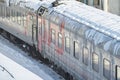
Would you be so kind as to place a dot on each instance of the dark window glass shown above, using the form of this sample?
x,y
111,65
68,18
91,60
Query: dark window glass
x,y
76,50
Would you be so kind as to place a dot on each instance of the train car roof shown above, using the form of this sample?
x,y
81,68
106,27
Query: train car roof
x,y
31,4
104,22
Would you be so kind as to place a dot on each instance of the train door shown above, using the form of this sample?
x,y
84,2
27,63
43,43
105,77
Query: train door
x,y
40,34
41,29
43,35
33,32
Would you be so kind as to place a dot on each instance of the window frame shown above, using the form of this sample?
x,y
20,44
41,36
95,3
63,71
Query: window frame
x,y
53,32
60,37
93,62
116,70
104,73
75,54
67,46
85,57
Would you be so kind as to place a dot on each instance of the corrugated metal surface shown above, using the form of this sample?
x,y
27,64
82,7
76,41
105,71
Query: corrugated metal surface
x,y
97,19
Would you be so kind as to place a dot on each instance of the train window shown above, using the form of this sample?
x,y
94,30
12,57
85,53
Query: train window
x,y
81,0
0,11
85,55
57,20
84,1
8,13
15,16
76,50
59,40
53,36
22,22
106,69
67,44
96,2
25,19
3,11
19,17
117,72
40,28
95,62
12,14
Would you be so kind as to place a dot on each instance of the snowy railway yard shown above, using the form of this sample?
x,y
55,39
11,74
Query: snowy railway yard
x,y
24,64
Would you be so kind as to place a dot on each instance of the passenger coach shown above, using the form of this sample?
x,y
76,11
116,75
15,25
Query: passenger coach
x,y
80,39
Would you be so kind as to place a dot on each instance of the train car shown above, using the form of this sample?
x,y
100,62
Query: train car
x,y
21,22
80,39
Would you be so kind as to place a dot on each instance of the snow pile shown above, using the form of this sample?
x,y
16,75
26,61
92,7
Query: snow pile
x,y
15,71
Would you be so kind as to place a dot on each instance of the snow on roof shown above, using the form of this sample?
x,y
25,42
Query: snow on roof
x,y
32,4
102,21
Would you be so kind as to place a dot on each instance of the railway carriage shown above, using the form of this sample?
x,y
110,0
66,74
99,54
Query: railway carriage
x,y
82,40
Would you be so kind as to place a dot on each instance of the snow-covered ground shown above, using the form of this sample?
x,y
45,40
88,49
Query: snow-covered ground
x,y
10,70
14,53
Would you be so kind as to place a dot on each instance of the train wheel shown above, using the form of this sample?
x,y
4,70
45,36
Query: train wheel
x,y
4,33
33,51
12,38
68,76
